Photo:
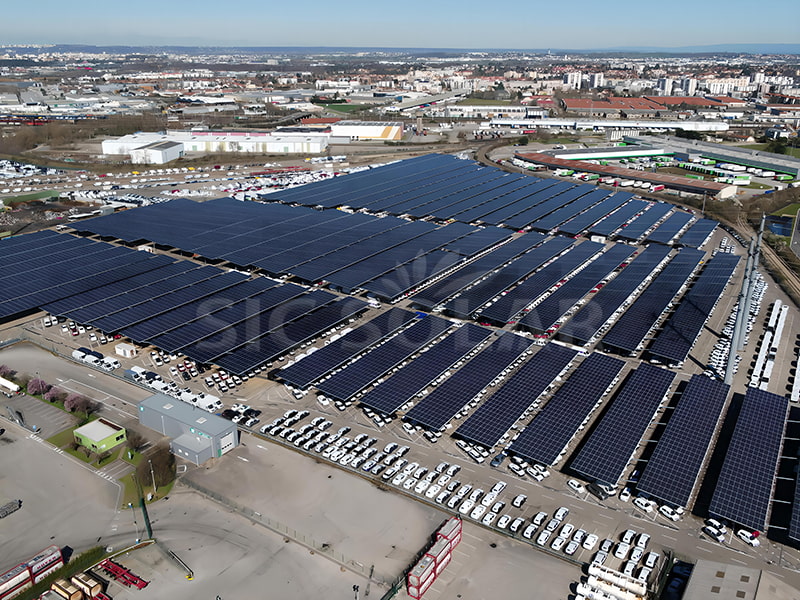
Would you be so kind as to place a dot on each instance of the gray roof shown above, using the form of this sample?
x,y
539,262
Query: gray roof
x,y
187,414
192,442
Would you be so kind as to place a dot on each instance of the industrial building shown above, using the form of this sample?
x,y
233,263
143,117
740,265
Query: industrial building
x,y
100,435
157,153
368,130
602,124
196,435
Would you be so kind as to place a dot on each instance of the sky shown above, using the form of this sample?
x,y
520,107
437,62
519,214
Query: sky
x,y
578,24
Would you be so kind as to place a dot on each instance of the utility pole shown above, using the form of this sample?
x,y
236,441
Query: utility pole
x,y
740,317
756,254
153,476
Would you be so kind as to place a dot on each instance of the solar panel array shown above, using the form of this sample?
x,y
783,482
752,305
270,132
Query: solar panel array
x,y
314,366
495,416
629,331
639,226
698,233
547,435
450,285
794,523
533,214
390,395
619,217
514,301
610,447
367,369
673,469
549,311
436,409
289,335
580,223
664,233
464,305
511,203
676,339
590,318
744,488
543,192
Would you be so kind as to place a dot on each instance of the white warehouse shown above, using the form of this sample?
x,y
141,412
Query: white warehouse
x,y
368,130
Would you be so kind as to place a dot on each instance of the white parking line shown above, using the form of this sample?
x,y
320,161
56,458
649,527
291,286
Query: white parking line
x,y
242,458
704,549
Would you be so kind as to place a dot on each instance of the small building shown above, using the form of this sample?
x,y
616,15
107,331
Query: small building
x,y
125,350
100,435
196,435
368,130
711,579
157,153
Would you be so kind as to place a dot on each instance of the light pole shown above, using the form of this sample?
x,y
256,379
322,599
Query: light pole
x,y
153,476
135,523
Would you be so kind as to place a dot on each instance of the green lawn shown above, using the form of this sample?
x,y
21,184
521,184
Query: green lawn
x,y
347,108
795,152
788,211
10,201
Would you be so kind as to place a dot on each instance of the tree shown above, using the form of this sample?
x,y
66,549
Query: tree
x,y
136,440
76,403
163,463
38,387
54,395
776,147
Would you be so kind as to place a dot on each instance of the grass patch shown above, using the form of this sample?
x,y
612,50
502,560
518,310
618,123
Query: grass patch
x,y
788,211
136,457
130,493
62,438
347,108
758,186
12,200
80,456
790,151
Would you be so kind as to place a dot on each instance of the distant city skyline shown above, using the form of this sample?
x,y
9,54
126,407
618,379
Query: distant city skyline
x,y
466,24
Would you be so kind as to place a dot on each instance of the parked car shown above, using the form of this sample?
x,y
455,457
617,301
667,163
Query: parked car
x,y
748,537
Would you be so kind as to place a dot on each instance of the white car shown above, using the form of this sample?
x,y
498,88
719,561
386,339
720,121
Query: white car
x,y
561,513
442,497
716,525
504,521
433,491
651,559
558,543
519,500
543,537
590,542
625,494
410,483
714,533
529,531
600,557
539,518
628,535
397,480
669,513
576,486
516,525
621,551
489,518
477,512
644,574
642,541
748,538
571,548
630,566
567,530
636,554
422,486
466,506
643,504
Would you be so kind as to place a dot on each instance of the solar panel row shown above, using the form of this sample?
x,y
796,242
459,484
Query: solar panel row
x,y
436,409
698,233
610,447
580,223
588,321
506,307
367,369
570,211
487,425
676,339
619,217
314,366
629,332
546,437
549,311
674,468
639,226
744,488
664,233
389,396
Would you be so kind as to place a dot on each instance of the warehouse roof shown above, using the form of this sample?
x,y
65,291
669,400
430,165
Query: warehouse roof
x,y
98,430
186,413
674,181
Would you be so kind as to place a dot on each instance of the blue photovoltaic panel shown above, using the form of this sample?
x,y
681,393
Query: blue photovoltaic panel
x,y
436,409
363,372
304,329
673,469
443,289
550,310
529,216
403,280
544,190
477,213
794,524
744,489
676,339
564,214
590,318
633,326
389,396
643,222
610,447
496,415
580,223
464,305
697,234
335,354
619,217
552,428
478,241
507,306
664,233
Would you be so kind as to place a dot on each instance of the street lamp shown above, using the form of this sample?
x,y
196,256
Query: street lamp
x,y
153,476
135,523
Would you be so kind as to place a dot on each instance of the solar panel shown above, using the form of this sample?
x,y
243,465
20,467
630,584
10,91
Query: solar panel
x,y
629,332
404,280
639,226
664,233
674,468
588,321
794,523
477,213
367,369
436,409
496,415
580,223
549,311
619,217
314,366
530,215
744,488
464,305
448,286
697,235
514,301
548,434
570,211
610,447
390,395
675,340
